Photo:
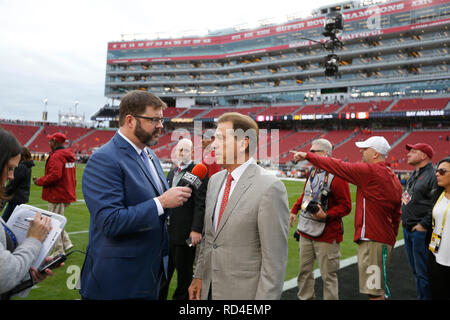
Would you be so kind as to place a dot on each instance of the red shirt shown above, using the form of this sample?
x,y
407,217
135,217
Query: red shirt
x,y
339,205
378,196
59,181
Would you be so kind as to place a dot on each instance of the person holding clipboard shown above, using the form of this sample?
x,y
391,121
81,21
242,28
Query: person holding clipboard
x,y
16,260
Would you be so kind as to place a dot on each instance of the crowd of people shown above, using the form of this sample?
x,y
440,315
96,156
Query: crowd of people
x,y
227,235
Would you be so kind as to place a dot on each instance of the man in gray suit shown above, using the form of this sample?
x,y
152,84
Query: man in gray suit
x,y
244,250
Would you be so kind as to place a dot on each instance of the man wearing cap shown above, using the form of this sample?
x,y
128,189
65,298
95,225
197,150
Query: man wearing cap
x,y
377,212
417,205
59,183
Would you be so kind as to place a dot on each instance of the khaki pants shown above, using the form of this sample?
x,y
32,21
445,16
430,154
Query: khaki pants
x,y
63,242
328,255
370,267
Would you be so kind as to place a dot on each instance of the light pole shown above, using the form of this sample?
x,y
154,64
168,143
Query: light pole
x,y
76,105
44,114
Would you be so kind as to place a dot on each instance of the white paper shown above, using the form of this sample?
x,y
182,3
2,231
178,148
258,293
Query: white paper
x,y
19,226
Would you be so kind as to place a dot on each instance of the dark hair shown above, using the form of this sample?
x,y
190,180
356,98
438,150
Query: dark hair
x,y
446,159
244,123
9,148
25,154
136,101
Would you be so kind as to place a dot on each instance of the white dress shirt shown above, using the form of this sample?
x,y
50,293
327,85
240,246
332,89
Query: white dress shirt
x,y
236,174
152,167
177,176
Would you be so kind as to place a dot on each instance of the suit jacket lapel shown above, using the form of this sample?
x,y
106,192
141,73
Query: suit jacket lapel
x,y
214,194
159,169
131,152
170,177
239,190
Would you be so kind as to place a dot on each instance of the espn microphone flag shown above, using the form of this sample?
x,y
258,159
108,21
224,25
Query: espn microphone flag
x,y
194,179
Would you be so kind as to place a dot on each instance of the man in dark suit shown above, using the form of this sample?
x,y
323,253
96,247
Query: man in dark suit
x,y
128,198
185,224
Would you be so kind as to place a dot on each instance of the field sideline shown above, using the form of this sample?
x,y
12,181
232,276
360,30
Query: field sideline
x,y
60,286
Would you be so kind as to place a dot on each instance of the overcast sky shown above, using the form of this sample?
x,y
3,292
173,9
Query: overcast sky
x,y
57,49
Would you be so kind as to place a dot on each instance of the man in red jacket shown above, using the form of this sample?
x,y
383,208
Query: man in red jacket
x,y
378,209
59,183
320,233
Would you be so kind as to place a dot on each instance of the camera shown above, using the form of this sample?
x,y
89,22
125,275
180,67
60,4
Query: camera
x,y
331,65
312,207
334,24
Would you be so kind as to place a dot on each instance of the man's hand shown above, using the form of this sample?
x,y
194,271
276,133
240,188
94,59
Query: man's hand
x,y
419,227
298,156
320,215
196,238
34,180
292,219
175,197
195,289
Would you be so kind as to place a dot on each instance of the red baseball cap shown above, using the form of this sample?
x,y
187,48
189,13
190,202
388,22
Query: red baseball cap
x,y
58,137
425,148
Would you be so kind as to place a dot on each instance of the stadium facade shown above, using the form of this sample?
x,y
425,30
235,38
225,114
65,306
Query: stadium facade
x,y
393,79
390,49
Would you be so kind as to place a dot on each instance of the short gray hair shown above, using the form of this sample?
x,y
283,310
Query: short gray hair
x,y
324,145
185,141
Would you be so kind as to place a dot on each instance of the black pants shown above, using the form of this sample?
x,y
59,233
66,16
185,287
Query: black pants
x,y
439,279
9,210
181,258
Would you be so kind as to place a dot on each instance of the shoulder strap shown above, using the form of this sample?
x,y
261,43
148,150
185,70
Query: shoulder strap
x,y
10,239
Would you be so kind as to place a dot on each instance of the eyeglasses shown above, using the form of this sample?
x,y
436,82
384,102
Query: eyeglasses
x,y
315,151
442,171
155,120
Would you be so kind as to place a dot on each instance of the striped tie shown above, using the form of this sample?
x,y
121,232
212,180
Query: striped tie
x,y
226,194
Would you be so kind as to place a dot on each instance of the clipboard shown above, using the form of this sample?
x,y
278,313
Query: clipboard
x,y
18,224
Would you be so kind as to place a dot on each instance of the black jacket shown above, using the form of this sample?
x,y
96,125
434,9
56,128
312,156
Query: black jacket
x,y
421,186
20,186
189,217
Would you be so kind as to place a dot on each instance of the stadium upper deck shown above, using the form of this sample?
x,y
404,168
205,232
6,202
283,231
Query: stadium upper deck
x,y
391,49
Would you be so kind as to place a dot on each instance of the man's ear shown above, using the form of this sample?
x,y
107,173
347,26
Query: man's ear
x,y
130,121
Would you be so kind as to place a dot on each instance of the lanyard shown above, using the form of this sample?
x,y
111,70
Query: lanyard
x,y
445,212
320,182
9,232
385,255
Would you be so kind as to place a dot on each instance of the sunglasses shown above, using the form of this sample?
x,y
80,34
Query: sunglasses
x,y
155,120
442,171
315,151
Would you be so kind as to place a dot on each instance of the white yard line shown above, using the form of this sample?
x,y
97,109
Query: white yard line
x,y
78,232
289,284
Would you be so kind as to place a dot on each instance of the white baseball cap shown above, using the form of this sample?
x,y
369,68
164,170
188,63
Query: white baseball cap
x,y
378,143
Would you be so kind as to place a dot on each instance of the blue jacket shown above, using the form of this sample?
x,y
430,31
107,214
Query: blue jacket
x,y
128,240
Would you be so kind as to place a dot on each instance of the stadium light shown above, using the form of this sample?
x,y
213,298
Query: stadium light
x,y
45,113
76,105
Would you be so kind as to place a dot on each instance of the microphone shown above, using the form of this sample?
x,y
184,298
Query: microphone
x,y
194,179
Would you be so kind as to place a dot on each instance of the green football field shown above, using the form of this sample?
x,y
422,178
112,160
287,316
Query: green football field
x,y
61,285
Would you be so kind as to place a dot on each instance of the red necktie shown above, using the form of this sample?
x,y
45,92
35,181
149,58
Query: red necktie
x,y
226,194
